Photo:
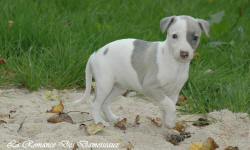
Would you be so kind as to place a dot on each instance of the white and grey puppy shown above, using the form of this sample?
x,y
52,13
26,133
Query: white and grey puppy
x,y
156,69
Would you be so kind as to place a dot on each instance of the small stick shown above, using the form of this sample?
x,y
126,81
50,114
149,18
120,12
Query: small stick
x,y
21,125
77,111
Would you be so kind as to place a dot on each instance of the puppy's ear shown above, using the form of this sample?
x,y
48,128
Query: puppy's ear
x,y
204,25
166,22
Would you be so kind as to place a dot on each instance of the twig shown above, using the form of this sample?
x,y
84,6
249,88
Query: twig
x,y
21,125
77,111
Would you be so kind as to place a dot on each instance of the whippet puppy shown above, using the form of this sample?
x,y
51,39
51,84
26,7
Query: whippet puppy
x,y
156,69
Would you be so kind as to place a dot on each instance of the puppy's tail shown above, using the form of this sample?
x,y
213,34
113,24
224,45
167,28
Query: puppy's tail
x,y
88,78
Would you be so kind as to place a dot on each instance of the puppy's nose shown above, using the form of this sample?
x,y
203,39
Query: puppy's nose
x,y
184,54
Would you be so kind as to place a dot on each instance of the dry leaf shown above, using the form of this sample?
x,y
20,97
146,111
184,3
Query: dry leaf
x,y
195,146
196,56
232,148
56,109
2,61
121,124
75,146
2,121
175,139
180,126
201,122
129,146
12,111
157,121
94,128
126,93
181,99
209,144
61,117
137,119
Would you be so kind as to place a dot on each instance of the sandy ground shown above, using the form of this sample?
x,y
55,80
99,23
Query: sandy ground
x,y
229,129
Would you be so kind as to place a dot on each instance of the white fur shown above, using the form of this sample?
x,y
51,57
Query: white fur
x,y
114,74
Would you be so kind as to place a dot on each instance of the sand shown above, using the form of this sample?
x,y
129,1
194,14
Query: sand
x,y
228,129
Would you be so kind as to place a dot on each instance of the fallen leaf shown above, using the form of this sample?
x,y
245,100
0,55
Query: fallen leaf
x,y
92,129
57,108
195,146
181,100
232,148
180,126
12,111
75,146
126,93
209,144
61,117
2,61
121,124
175,139
137,119
129,146
201,122
157,121
2,121
196,56
185,134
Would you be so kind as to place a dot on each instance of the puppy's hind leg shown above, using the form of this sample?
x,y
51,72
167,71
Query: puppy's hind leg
x,y
103,88
113,95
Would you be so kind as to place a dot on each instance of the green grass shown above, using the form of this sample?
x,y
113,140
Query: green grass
x,y
50,41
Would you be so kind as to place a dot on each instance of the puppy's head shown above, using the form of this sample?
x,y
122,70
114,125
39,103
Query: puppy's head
x,y
183,36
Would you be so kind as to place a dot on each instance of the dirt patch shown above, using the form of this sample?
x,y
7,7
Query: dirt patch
x,y
29,109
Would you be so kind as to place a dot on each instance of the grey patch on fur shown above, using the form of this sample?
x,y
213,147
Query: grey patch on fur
x,y
193,29
144,59
106,51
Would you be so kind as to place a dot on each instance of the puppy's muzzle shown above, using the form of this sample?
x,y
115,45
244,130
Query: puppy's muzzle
x,y
184,54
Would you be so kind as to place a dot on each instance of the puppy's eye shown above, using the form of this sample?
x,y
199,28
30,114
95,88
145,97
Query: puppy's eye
x,y
195,38
174,36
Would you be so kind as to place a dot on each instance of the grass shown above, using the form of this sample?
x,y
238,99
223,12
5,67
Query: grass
x,y
50,41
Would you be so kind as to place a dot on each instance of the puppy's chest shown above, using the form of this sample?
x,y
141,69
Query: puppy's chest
x,y
172,80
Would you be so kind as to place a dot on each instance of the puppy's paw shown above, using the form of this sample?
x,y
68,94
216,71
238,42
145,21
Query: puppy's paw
x,y
168,132
175,139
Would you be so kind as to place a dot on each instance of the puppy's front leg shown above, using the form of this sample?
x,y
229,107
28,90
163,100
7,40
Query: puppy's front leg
x,y
169,116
